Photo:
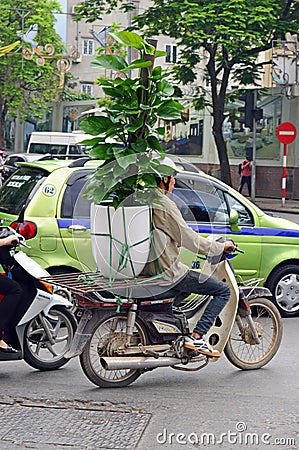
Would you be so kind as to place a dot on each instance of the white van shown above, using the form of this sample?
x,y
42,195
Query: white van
x,y
58,144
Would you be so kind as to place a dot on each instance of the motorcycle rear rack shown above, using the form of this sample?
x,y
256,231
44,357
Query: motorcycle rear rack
x,y
85,283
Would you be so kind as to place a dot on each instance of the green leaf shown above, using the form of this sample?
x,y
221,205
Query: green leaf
x,y
96,125
100,152
149,179
127,160
128,38
157,71
139,146
134,126
92,142
139,64
154,143
168,113
160,131
160,53
110,62
165,88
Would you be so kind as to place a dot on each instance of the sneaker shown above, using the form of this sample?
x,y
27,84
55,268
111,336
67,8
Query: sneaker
x,y
201,346
189,343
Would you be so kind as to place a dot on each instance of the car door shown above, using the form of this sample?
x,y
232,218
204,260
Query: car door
x,y
74,221
206,208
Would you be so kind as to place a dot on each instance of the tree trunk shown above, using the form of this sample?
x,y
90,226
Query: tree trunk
x,y
218,100
222,155
3,111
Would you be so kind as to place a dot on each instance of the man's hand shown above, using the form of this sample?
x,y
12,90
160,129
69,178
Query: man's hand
x,y
229,247
10,240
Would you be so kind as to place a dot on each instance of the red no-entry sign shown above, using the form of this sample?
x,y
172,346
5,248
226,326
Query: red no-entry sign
x,y
286,133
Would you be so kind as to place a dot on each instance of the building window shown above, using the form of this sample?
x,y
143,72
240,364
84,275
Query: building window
x,y
88,47
87,88
171,51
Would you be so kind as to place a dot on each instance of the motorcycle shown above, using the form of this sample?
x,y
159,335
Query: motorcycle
x,y
120,337
44,325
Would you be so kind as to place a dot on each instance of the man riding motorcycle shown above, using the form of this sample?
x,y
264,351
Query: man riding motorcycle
x,y
170,233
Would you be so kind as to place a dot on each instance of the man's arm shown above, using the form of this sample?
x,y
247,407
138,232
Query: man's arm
x,y
169,219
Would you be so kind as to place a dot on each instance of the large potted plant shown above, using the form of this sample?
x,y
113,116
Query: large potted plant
x,y
127,141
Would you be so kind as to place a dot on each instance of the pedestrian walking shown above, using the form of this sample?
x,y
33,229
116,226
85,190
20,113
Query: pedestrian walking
x,y
245,175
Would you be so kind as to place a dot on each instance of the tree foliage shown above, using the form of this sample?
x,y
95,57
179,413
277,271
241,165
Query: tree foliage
x,y
232,34
25,87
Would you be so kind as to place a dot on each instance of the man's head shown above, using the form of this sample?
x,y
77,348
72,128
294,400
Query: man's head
x,y
167,182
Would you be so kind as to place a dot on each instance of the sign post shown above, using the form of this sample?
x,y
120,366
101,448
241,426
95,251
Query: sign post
x,y
286,133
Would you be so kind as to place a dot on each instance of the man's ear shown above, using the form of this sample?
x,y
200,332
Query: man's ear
x,y
165,180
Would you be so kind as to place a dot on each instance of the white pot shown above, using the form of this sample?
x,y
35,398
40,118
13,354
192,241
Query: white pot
x,y
120,239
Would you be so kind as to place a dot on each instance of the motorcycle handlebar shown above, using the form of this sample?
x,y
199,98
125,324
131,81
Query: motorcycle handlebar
x,y
6,231
234,249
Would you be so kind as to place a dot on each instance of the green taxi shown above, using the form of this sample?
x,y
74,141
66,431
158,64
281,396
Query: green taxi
x,y
45,197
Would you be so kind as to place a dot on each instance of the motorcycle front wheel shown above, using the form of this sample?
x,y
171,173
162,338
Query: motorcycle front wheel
x,y
242,350
106,337
43,353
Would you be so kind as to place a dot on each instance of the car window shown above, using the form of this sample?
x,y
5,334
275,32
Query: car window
x,y
53,149
200,200
73,203
74,150
245,216
19,188
11,160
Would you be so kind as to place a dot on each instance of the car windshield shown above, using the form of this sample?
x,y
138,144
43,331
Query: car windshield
x,y
19,189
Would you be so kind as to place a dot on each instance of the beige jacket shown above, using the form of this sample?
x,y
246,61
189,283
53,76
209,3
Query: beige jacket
x,y
170,233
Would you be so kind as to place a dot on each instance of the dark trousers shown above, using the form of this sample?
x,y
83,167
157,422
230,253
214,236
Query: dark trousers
x,y
247,181
198,283
12,292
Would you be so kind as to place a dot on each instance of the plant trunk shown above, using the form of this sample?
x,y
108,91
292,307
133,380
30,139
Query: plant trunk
x,y
143,93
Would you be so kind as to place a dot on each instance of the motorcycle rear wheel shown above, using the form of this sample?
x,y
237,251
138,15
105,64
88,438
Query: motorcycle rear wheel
x,y
39,352
104,342
242,351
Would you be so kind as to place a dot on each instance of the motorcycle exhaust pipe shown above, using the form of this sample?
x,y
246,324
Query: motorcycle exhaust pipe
x,y
137,362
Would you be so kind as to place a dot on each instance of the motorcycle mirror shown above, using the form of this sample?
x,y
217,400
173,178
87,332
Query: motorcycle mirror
x,y
21,215
233,220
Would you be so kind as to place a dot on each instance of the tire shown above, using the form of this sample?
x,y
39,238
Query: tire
x,y
39,353
284,285
63,292
104,343
244,353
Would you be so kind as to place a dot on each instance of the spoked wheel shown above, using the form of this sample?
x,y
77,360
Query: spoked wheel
x,y
106,338
43,353
241,349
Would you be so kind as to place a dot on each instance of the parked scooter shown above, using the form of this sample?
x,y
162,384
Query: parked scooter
x,y
45,325
118,339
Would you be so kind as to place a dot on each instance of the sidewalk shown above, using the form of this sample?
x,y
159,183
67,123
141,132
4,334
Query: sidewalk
x,y
275,204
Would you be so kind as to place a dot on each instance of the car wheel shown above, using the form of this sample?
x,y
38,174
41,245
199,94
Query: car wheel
x,y
284,285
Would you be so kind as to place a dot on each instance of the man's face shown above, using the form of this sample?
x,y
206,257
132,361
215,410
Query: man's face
x,y
171,184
